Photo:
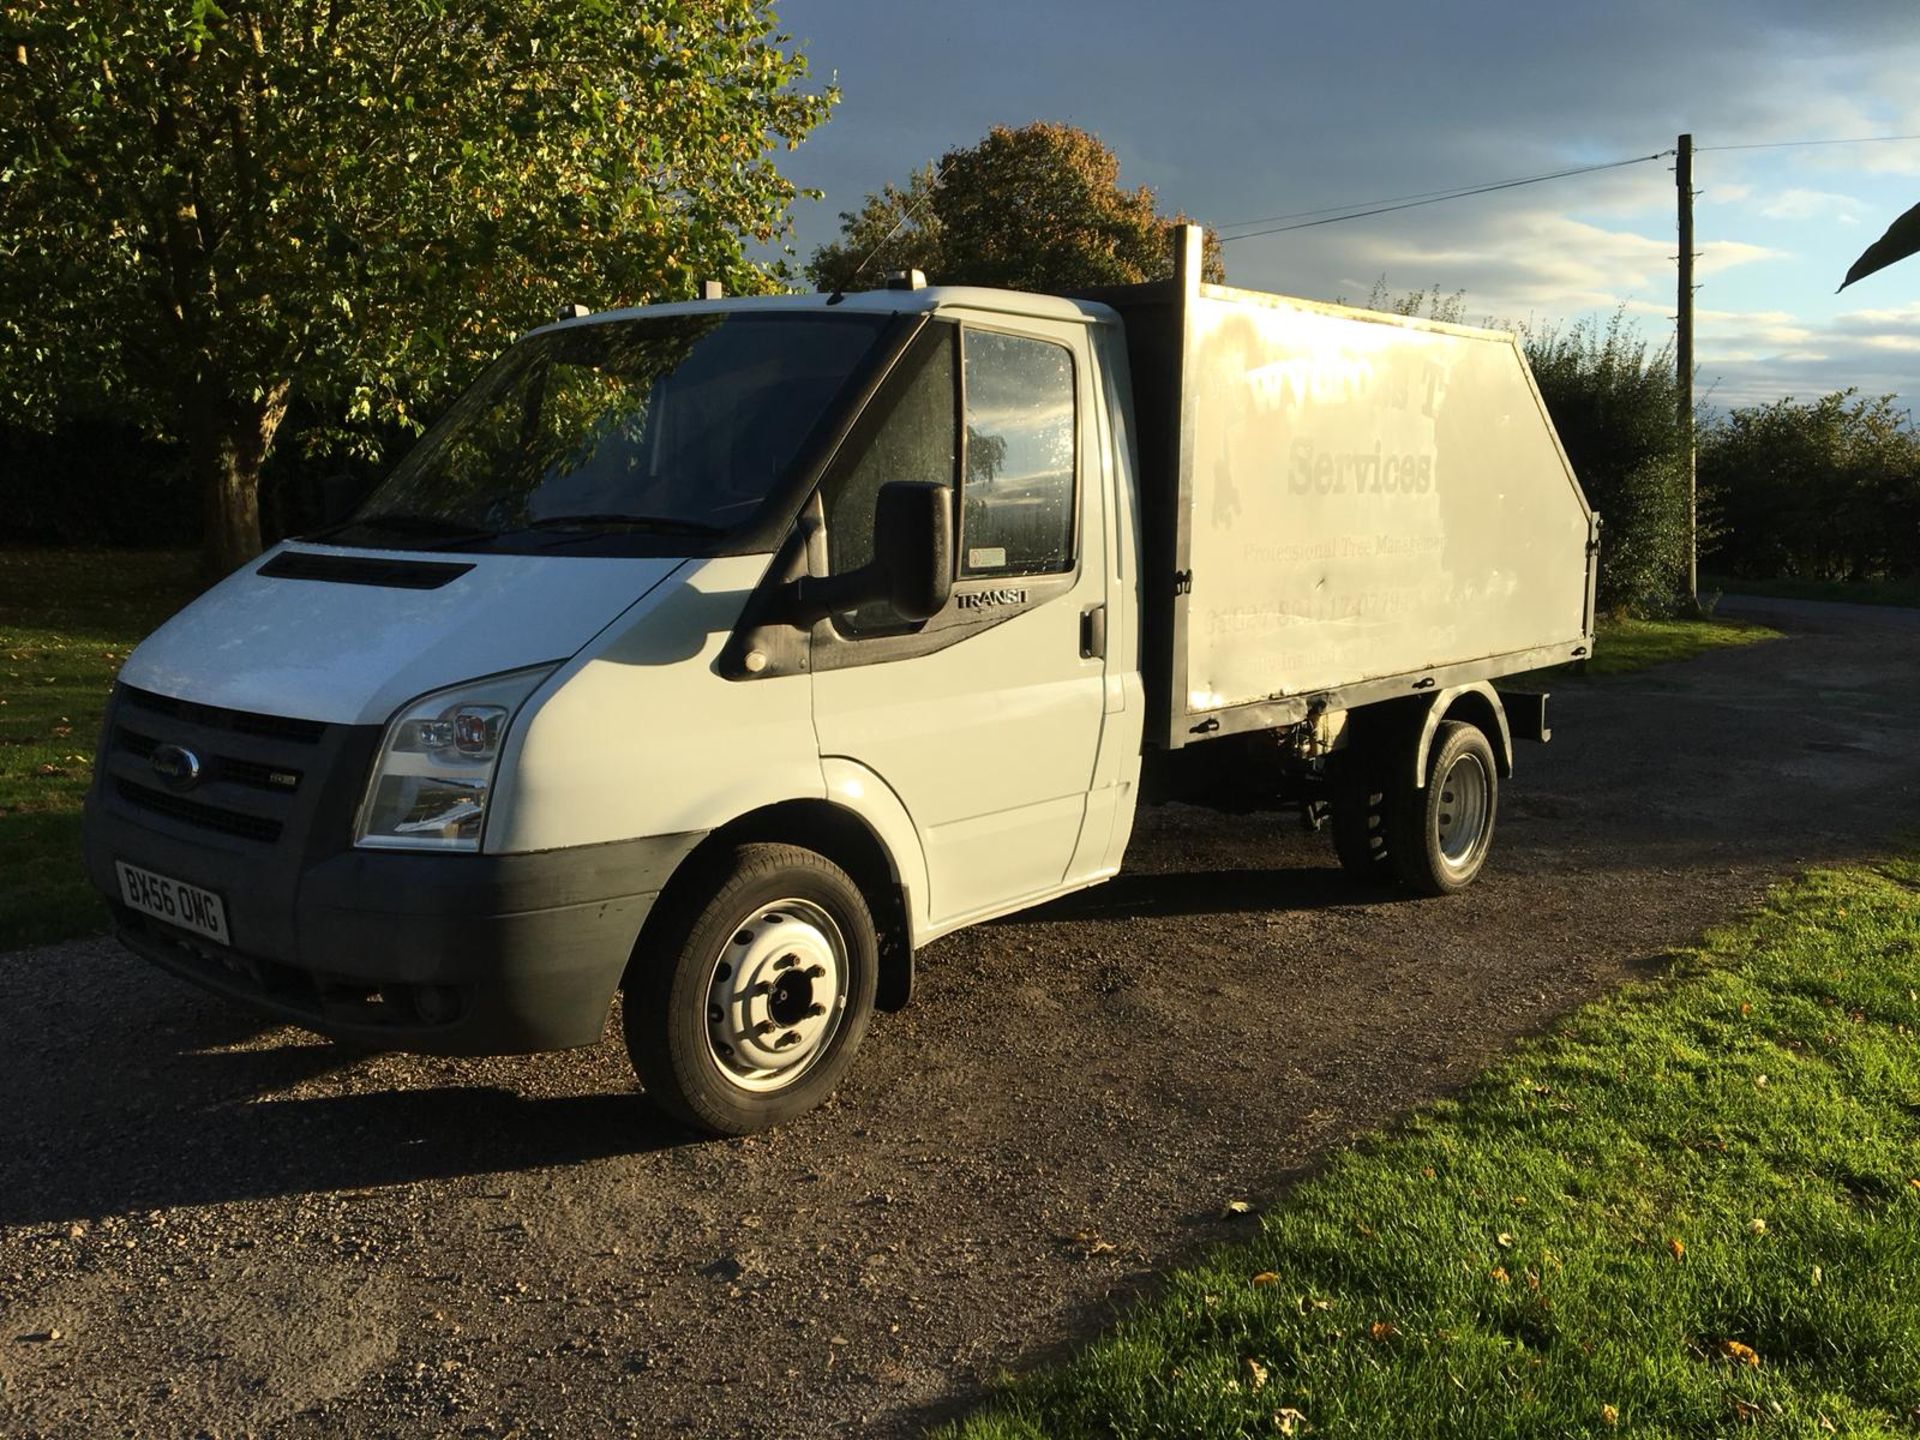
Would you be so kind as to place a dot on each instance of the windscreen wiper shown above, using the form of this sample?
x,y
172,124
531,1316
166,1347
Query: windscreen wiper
x,y
443,532
665,523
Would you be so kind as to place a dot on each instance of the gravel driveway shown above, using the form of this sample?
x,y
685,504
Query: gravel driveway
x,y
211,1226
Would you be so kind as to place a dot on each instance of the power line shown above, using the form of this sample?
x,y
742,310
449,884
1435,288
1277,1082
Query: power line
x,y
1797,144
1334,213
1411,202
1449,192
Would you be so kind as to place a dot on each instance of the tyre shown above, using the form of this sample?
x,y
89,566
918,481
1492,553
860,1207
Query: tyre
x,y
1440,836
756,992
1359,820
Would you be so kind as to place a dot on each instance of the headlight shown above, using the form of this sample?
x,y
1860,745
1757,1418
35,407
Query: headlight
x,y
430,785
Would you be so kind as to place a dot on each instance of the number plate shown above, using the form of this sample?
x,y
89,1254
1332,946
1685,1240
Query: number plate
x,y
173,901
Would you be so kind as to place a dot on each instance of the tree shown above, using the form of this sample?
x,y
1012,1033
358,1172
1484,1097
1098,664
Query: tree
x,y
895,229
1037,208
209,208
1611,400
1821,490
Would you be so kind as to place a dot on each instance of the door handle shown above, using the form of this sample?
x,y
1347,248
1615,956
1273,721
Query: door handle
x,y
1093,633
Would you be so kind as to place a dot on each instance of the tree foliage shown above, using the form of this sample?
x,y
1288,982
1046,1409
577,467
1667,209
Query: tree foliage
x,y
207,209
1821,490
1611,398
1037,208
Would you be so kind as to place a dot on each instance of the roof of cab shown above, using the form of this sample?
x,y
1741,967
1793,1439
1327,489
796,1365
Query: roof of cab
x,y
889,302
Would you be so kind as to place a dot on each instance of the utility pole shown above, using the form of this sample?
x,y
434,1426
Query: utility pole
x,y
1683,356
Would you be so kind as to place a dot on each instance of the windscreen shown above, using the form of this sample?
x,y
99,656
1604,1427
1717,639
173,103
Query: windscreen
x,y
676,424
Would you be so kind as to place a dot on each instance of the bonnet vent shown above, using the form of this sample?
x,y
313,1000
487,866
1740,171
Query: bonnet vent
x,y
362,570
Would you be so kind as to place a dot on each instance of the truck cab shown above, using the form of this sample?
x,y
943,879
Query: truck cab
x,y
422,781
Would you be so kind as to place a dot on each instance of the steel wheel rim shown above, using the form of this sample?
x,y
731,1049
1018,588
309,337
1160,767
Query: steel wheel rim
x,y
1460,821
776,994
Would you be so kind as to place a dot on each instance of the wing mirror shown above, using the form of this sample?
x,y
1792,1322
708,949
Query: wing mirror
x,y
912,565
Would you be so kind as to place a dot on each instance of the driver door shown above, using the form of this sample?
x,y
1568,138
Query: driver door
x,y
985,720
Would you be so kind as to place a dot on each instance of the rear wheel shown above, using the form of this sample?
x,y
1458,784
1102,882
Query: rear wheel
x,y
1441,835
1360,823
757,993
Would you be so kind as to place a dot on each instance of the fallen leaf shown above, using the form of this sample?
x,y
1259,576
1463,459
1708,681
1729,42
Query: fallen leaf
x,y
1504,1240
1759,1082
1383,1330
1756,1226
1427,1170
1734,1350
1235,1207
1256,1373
1677,1250
1609,1415
1746,1007
1266,1277
1818,1275
1499,1274
1291,1422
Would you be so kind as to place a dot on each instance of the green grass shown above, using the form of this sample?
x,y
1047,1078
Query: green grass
x,y
67,620
1859,592
1693,1210
1623,645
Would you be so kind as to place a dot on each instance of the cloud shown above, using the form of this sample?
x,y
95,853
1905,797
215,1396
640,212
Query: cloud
x,y
1275,109
1718,256
1521,262
1753,334
1802,204
1751,357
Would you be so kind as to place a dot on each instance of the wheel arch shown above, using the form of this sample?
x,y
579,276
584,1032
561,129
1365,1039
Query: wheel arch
x,y
1477,704
842,836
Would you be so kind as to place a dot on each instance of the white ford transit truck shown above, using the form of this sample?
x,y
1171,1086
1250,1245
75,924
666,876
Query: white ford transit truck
x,y
723,653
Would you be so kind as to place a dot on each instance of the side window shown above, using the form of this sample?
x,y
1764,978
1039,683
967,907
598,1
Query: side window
x,y
1017,499
915,440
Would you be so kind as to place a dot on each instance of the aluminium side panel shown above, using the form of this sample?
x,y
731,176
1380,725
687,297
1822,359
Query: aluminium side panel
x,y
1364,497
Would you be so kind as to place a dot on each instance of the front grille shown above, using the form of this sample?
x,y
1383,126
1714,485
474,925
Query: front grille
x,y
276,779
193,812
214,717
251,766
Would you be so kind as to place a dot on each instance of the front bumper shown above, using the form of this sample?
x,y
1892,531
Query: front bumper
x,y
447,954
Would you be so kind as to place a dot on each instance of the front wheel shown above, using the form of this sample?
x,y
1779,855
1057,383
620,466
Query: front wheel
x,y
757,992
1444,831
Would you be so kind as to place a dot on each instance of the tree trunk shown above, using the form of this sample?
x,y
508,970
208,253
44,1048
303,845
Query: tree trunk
x,y
227,442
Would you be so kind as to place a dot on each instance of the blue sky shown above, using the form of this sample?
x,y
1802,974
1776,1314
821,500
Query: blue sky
x,y
1232,111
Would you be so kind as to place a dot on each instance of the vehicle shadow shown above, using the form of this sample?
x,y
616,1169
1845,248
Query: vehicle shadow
x,y
1132,896
283,1147
166,1097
